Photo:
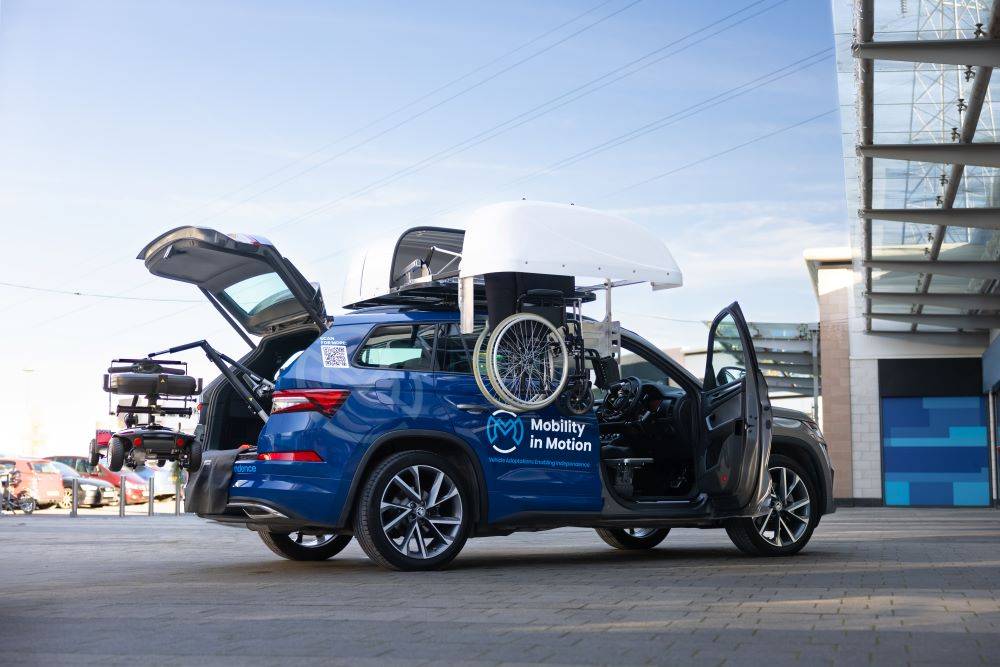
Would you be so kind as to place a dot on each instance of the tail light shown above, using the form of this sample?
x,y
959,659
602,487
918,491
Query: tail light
x,y
137,442
303,456
326,401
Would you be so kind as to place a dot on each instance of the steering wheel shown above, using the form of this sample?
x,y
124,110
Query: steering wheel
x,y
622,399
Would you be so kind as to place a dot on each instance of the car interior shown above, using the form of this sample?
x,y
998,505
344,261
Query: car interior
x,y
230,422
648,434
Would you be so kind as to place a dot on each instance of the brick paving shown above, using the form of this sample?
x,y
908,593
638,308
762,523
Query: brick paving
x,y
875,586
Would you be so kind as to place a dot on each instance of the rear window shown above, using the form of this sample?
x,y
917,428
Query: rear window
x,y
454,349
258,293
399,346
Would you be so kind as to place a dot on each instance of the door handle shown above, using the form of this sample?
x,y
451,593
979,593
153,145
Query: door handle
x,y
474,408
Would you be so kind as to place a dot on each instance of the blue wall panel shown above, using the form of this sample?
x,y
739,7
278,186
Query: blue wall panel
x,y
935,451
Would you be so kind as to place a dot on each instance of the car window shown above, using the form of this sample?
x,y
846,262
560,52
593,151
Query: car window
x,y
454,349
44,466
399,346
64,469
726,361
257,293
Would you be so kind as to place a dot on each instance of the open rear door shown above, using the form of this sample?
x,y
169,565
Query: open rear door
x,y
243,276
736,416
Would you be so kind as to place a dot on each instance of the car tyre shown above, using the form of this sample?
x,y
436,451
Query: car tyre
x,y
414,512
116,454
296,546
793,528
632,539
67,499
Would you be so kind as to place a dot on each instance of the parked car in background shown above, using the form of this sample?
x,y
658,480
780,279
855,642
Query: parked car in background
x,y
47,481
18,487
164,478
136,489
92,492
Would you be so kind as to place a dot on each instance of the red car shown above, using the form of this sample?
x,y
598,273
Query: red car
x,y
39,478
136,488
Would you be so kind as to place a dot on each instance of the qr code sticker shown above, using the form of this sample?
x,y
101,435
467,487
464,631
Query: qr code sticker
x,y
334,356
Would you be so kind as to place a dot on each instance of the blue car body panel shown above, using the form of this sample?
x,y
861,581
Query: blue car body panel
x,y
533,462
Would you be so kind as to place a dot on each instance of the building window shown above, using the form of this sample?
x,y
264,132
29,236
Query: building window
x,y
935,451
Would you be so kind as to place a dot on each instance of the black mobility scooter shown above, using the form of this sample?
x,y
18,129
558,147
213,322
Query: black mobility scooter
x,y
168,391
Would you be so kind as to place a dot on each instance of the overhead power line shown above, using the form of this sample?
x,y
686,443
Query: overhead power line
x,y
617,74
718,154
423,112
387,116
653,126
521,117
94,295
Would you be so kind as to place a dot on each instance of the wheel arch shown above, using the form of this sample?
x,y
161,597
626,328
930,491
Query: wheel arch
x,y
447,444
800,452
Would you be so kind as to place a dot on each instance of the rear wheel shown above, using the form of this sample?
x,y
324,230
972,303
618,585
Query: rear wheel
x,y
194,456
301,546
788,523
414,512
116,454
633,539
95,453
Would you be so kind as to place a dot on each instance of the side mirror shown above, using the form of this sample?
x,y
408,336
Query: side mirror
x,y
728,374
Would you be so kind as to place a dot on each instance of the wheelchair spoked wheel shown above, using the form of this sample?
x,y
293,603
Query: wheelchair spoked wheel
x,y
527,361
480,371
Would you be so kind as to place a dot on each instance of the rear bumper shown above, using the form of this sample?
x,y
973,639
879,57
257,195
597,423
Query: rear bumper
x,y
261,516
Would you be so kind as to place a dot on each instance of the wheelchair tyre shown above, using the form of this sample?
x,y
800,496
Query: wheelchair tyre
x,y
514,334
480,364
116,454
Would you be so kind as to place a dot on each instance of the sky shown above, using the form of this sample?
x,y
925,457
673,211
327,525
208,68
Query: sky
x,y
326,125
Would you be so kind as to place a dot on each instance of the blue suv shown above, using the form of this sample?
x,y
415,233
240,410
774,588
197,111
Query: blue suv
x,y
375,429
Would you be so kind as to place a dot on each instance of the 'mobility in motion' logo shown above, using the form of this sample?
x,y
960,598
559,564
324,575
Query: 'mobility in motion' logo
x,y
505,431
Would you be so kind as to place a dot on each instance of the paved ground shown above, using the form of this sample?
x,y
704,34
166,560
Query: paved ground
x,y
874,586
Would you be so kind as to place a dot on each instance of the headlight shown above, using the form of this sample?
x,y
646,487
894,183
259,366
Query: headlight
x,y
88,487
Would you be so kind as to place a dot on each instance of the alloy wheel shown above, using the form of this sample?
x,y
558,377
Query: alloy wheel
x,y
788,514
640,533
421,511
311,541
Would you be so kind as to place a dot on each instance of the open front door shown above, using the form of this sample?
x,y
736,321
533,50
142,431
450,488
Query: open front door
x,y
736,417
243,276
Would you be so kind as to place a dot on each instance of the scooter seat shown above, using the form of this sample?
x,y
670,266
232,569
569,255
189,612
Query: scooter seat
x,y
148,384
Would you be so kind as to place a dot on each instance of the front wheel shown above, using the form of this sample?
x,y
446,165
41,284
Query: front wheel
x,y
26,503
786,525
414,512
300,546
632,539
